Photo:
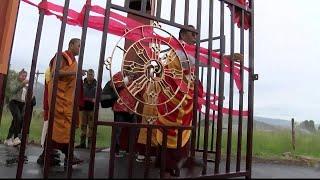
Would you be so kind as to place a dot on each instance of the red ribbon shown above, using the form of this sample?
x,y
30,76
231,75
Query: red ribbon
x,y
238,15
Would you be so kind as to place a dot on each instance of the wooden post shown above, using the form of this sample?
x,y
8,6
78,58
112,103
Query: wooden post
x,y
36,84
293,135
8,17
35,90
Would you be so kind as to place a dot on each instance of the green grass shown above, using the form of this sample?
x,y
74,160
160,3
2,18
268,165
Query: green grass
x,y
265,144
270,144
223,142
277,142
103,132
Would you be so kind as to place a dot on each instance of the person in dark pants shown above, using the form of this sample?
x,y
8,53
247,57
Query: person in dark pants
x,y
122,117
16,106
87,112
121,112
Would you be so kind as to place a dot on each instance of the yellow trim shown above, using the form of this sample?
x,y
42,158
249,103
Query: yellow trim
x,y
173,140
69,60
47,75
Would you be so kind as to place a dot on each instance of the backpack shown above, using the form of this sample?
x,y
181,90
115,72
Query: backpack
x,y
108,96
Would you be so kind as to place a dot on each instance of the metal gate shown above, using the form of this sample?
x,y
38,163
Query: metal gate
x,y
208,117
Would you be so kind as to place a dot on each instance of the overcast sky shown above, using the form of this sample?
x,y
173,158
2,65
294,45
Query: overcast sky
x,y
287,45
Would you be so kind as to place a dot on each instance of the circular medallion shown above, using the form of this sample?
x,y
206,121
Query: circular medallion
x,y
153,73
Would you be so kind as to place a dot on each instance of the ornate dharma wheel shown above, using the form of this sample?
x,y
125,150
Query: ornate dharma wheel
x,y
156,65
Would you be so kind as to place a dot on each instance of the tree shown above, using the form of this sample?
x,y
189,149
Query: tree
x,y
312,126
11,80
308,125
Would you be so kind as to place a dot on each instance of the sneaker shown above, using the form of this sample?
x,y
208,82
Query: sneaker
x,y
40,160
140,158
123,152
55,154
8,142
119,155
16,141
174,172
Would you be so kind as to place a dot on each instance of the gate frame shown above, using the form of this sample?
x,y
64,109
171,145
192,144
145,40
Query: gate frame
x,y
171,22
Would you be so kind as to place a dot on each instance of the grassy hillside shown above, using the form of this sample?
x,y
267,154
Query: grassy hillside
x,y
265,143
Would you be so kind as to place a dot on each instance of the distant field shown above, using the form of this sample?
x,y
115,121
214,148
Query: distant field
x,y
265,143
271,143
276,143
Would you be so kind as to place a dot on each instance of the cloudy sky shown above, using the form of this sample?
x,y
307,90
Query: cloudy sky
x,y
287,48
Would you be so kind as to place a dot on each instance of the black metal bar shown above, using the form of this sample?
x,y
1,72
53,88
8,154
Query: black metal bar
x,y
229,138
173,11
147,153
198,132
54,89
98,90
250,93
4,79
28,109
158,13
239,144
209,151
212,130
213,111
148,16
221,92
112,152
208,95
196,73
138,125
226,175
143,6
199,117
163,152
179,143
131,151
75,113
186,12
212,38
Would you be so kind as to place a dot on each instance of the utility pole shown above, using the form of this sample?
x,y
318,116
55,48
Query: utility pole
x,y
293,134
36,87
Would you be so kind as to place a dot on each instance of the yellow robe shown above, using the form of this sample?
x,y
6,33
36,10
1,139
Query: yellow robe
x,y
183,114
148,111
64,98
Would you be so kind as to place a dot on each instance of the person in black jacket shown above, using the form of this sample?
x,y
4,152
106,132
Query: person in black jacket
x,y
87,112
